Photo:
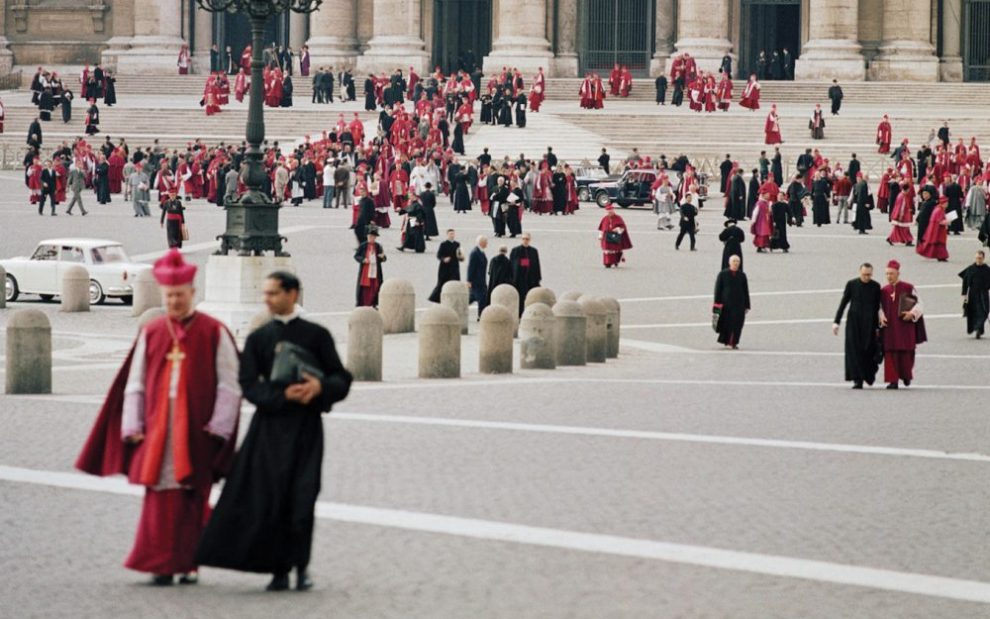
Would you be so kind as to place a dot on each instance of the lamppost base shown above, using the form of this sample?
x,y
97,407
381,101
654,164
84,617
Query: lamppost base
x,y
234,288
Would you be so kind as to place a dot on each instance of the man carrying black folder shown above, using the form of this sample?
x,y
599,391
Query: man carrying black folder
x,y
290,371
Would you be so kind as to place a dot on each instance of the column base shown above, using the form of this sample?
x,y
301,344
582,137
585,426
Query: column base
x,y
707,52
905,61
332,51
234,288
6,57
660,63
151,55
565,65
391,53
115,46
950,69
828,59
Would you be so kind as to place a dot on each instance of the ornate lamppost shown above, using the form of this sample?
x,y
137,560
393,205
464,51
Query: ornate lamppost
x,y
252,218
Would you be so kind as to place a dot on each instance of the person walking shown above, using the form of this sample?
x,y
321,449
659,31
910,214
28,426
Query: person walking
x,y
173,220
902,327
687,222
476,275
76,184
731,303
862,297
976,294
290,371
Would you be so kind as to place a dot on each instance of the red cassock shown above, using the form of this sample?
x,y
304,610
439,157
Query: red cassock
x,y
241,86
612,251
751,96
933,244
34,182
116,172
724,94
60,176
613,81
900,220
171,520
572,196
771,129
761,228
883,137
587,101
900,337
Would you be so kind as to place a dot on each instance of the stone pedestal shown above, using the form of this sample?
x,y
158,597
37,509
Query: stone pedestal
x,y
613,324
828,59
397,304
397,42
29,353
234,288
522,38
536,344
495,340
147,293
570,333
596,336
440,344
565,64
333,34
75,289
905,61
455,296
365,331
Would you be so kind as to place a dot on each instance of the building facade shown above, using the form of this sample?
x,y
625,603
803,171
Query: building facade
x,y
886,40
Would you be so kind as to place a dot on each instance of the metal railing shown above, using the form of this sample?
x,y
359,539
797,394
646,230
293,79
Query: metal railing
x,y
11,81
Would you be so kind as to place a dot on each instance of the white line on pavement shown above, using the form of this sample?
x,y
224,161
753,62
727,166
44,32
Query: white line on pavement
x,y
194,247
662,436
489,530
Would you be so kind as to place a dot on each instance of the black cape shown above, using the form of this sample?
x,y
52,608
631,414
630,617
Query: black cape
x,y
862,324
732,293
976,289
447,271
263,521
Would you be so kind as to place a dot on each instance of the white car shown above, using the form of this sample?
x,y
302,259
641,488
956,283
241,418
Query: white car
x,y
110,270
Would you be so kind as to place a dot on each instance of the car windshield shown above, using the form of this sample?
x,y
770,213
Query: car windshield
x,y
108,253
45,252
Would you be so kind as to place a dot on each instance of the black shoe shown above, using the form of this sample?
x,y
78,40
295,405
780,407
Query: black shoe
x,y
858,384
892,386
909,245
869,381
161,580
84,213
69,213
907,383
191,578
280,582
303,581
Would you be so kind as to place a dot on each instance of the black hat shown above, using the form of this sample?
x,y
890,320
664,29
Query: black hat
x,y
373,229
729,222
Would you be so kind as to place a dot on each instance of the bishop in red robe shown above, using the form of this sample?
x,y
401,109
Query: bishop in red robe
x,y
933,243
614,237
169,423
771,128
751,94
902,327
883,135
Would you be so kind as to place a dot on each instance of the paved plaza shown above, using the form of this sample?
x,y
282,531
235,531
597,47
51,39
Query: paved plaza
x,y
680,480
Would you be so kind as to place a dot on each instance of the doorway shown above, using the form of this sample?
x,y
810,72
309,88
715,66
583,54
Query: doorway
x,y
234,29
770,26
462,34
616,32
976,43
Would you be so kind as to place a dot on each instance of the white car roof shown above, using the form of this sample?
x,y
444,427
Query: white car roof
x,y
86,243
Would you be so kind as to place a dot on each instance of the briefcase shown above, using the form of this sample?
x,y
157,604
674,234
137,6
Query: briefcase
x,y
291,362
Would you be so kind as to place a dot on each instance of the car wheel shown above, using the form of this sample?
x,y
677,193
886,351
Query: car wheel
x,y
96,296
624,204
602,199
46,297
10,290
128,300
584,195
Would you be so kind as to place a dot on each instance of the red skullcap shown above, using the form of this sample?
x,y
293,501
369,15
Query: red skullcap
x,y
172,270
893,264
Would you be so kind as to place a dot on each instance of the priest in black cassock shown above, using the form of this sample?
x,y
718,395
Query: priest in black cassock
x,y
264,519
976,294
499,271
862,297
732,238
450,256
526,273
731,303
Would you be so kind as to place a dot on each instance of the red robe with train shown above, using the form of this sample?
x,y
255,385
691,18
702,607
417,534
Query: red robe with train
x,y
933,244
900,337
612,252
171,520
116,174
762,227
771,129
900,220
751,96
883,137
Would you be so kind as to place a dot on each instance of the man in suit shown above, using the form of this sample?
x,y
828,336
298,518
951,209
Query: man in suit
x,y
48,188
76,183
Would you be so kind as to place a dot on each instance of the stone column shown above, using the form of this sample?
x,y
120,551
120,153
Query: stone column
x,y
906,53
6,56
664,25
566,62
157,39
333,34
833,52
951,64
298,27
522,37
397,42
703,31
202,40
122,16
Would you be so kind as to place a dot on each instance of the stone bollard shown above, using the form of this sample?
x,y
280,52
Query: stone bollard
x,y
507,296
75,289
365,332
495,341
541,295
3,278
29,353
536,344
147,293
569,333
456,296
571,295
596,339
148,315
613,322
397,303
440,343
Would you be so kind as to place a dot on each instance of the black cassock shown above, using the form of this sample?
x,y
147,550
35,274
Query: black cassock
x,y
732,293
780,213
733,238
458,144
521,110
976,289
366,215
263,521
462,194
429,201
499,272
526,273
449,271
413,238
862,324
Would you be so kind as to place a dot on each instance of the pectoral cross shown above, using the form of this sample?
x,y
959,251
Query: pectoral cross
x,y
175,356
